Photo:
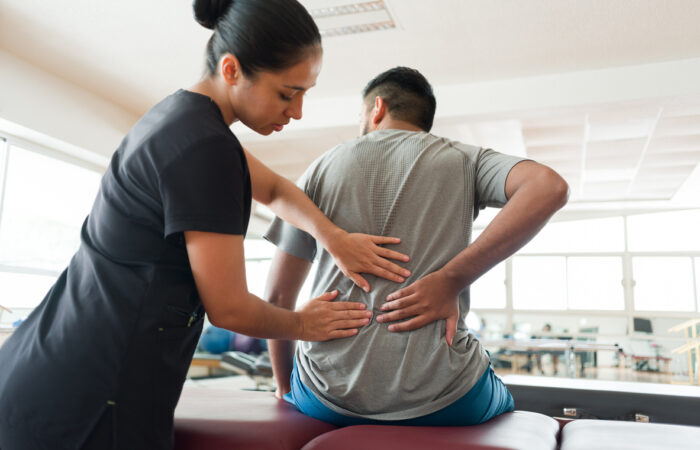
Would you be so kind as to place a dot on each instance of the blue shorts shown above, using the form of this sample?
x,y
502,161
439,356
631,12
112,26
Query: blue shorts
x,y
488,398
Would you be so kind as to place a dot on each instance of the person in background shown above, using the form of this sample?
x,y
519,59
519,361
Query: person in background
x,y
101,362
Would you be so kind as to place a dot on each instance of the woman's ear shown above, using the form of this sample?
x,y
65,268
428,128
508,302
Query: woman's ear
x,y
230,69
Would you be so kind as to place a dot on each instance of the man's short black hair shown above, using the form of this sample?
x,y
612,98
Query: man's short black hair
x,y
408,95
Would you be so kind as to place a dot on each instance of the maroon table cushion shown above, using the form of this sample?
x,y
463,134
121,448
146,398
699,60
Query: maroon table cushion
x,y
617,435
514,430
209,418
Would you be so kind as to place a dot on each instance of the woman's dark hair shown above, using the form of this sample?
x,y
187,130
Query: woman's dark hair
x,y
407,94
269,35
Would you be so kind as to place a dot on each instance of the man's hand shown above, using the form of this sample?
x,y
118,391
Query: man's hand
x,y
356,253
279,393
431,298
321,319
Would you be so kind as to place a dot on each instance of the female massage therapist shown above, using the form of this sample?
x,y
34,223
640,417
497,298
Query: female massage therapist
x,y
101,361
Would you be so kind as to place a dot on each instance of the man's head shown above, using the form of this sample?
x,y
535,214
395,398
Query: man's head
x,y
406,95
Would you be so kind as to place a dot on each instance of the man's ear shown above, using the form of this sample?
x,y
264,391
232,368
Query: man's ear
x,y
379,110
230,69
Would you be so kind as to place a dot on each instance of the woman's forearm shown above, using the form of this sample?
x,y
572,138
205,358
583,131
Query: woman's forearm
x,y
255,317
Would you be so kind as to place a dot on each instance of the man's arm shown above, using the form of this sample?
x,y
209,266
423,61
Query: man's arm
x,y
284,281
534,192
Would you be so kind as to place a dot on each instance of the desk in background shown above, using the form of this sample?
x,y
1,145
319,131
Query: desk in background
x,y
570,348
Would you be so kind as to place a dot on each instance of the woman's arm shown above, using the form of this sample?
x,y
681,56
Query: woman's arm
x,y
218,266
354,253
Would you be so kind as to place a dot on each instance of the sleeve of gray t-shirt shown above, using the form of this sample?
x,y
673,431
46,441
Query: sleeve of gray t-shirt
x,y
289,238
492,169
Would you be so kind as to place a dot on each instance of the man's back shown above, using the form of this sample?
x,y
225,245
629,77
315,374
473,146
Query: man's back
x,y
423,189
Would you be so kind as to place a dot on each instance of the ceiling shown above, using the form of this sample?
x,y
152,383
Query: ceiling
x,y
132,53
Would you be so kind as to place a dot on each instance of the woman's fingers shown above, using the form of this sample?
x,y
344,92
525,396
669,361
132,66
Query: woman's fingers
x,y
386,274
384,239
390,266
359,281
327,296
347,324
391,254
343,306
339,334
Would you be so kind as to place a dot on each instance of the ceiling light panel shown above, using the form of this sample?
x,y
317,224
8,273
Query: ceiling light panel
x,y
335,19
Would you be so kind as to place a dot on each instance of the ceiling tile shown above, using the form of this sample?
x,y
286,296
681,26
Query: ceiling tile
x,y
628,148
611,162
671,158
678,126
609,130
543,153
553,135
674,143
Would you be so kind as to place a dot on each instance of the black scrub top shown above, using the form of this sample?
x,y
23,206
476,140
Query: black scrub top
x,y
120,326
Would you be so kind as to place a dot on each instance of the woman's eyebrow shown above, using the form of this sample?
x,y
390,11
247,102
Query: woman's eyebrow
x,y
298,88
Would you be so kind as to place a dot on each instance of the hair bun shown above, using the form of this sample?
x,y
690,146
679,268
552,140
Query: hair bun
x,y
208,12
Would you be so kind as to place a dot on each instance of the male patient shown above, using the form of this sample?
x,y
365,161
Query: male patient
x,y
406,366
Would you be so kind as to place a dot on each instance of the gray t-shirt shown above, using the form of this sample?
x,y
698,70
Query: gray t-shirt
x,y
426,190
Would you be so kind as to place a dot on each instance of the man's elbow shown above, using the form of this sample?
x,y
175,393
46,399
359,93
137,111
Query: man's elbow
x,y
557,188
280,299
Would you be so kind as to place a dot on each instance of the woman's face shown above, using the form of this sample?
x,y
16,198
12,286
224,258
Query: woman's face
x,y
268,101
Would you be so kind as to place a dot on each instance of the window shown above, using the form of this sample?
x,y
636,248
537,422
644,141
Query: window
x,y
697,282
663,284
489,291
574,282
539,282
23,290
45,203
593,235
258,255
667,231
595,283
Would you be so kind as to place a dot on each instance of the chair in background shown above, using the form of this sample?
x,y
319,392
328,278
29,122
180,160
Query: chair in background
x,y
691,348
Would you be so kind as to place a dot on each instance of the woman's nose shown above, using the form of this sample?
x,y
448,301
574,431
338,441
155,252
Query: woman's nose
x,y
294,110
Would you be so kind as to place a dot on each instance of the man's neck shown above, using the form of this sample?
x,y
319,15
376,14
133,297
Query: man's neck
x,y
393,124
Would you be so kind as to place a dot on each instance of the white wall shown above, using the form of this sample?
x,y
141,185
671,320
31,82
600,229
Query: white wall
x,y
40,107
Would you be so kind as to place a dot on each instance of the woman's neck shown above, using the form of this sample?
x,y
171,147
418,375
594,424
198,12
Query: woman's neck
x,y
210,88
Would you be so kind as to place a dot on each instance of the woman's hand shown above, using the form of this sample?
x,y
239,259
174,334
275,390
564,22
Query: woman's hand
x,y
321,319
356,253
431,298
